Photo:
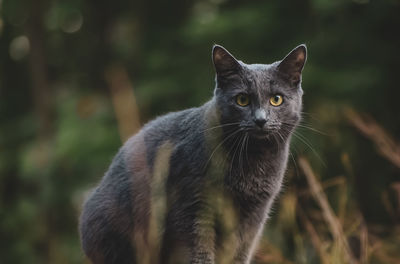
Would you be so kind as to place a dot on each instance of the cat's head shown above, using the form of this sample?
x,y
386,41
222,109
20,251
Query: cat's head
x,y
262,99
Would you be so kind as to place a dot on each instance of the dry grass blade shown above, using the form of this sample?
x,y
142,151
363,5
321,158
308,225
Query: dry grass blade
x,y
315,239
270,254
332,182
387,146
123,100
364,243
327,212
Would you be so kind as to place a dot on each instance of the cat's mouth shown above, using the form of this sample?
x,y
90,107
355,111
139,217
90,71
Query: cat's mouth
x,y
263,133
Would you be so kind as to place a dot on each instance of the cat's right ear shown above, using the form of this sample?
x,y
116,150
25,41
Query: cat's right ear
x,y
224,62
292,65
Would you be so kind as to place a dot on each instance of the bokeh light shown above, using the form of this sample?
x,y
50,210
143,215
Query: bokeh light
x,y
19,48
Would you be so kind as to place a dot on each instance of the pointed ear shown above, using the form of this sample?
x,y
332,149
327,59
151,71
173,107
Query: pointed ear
x,y
292,65
224,62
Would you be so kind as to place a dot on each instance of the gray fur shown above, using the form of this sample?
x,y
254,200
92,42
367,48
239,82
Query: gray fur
x,y
196,186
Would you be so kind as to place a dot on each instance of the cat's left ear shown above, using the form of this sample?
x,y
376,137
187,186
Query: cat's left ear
x,y
224,62
292,65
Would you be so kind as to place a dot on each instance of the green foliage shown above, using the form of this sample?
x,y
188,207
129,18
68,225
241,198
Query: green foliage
x,y
59,125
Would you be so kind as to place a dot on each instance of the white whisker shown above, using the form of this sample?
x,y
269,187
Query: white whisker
x,y
309,145
225,139
220,126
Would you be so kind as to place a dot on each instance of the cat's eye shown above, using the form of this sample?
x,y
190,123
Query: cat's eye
x,y
276,100
242,99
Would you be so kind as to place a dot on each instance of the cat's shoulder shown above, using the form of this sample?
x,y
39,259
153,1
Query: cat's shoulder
x,y
177,121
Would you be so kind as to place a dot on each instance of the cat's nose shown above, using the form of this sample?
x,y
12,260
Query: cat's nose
x,y
260,122
260,117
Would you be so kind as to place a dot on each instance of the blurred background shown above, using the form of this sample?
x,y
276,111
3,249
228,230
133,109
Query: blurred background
x,y
77,77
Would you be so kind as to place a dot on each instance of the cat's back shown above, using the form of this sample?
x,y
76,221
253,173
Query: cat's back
x,y
180,131
175,125
124,197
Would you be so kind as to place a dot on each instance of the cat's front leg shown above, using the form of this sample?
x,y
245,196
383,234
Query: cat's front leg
x,y
249,234
200,256
203,245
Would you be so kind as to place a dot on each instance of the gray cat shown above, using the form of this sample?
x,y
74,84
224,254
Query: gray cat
x,y
196,186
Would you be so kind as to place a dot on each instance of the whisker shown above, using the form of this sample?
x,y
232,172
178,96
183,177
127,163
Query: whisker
x,y
222,125
306,127
233,157
295,164
310,115
224,140
309,145
313,129
240,155
226,158
247,148
279,134
293,147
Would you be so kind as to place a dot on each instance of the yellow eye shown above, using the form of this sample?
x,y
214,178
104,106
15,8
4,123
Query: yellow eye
x,y
242,99
276,100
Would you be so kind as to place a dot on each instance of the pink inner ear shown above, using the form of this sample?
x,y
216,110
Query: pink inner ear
x,y
299,62
221,57
300,58
217,56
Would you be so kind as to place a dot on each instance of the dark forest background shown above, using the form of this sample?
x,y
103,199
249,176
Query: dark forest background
x,y
78,77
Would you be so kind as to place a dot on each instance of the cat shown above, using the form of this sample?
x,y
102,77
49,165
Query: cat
x,y
196,186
